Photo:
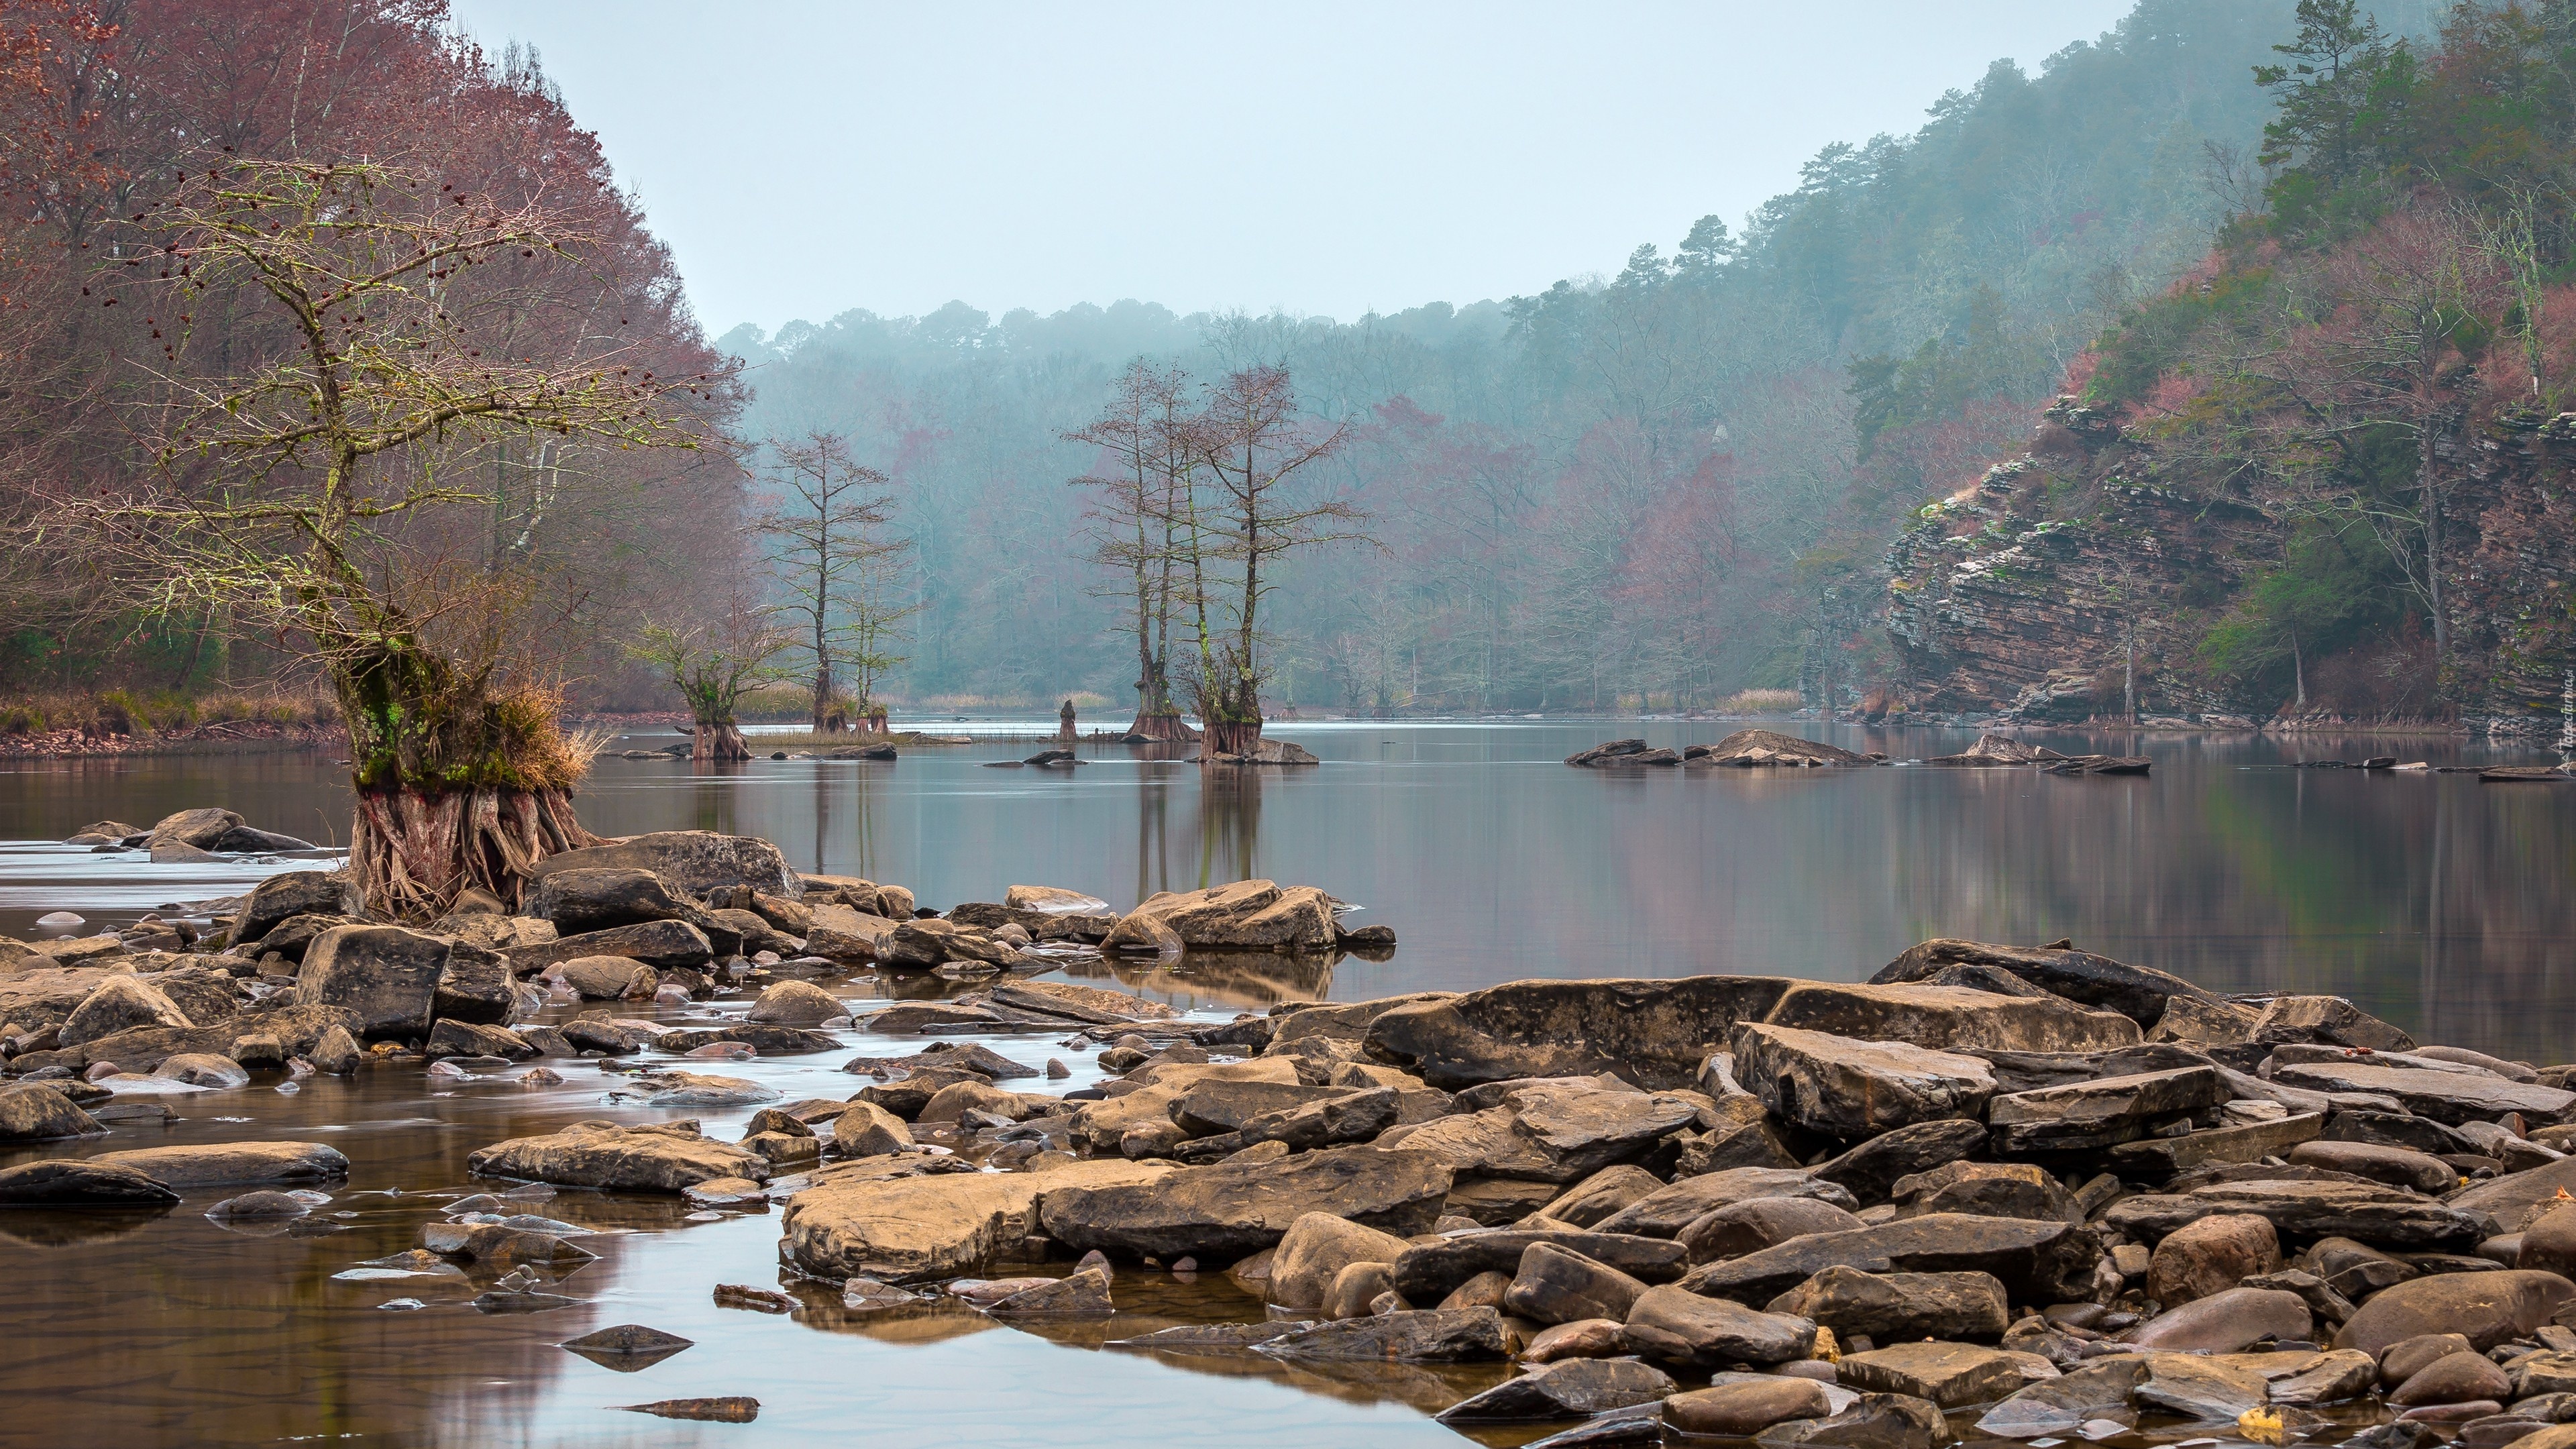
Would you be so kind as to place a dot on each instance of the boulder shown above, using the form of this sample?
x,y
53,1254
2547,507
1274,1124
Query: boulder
x,y
1742,1410
1951,1375
466,1039
118,1003
1666,1212
2326,1021
692,861
2205,1023
1575,1388
1250,915
795,1003
2516,1198
1889,1307
1871,1170
1558,1285
2308,1209
1602,1194
200,827
2447,1097
1986,1189
1749,1227
1652,1032
662,1158
608,978
1081,1294
2395,1166
292,893
2140,993
2333,1378
1873,1421
474,987
594,898
2037,1262
2063,1404
2227,1322
2485,1308
865,1129
35,1112
68,1181
1468,1335
232,1163
2454,1378
1429,1272
203,1069
2160,1157
1230,1209
2211,1255
1848,1088
386,975
2205,1390
1675,1325
2104,1113
1315,1249
840,933
940,1225
668,945
1950,1018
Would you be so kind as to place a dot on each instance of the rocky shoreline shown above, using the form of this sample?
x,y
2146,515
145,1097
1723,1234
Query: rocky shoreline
x,y
1991,1193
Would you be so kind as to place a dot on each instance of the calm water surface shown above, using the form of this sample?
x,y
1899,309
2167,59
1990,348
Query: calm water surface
x,y
2435,901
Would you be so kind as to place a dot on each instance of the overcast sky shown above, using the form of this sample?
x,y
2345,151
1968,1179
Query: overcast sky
x,y
805,158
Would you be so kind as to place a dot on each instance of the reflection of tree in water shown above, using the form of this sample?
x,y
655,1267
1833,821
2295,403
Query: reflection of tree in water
x,y
1154,779
1229,822
711,795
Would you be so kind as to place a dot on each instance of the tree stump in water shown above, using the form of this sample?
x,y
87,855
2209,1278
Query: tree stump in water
x,y
718,742
1229,737
412,851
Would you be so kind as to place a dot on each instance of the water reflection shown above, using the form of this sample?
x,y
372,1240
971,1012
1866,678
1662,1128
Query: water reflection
x,y
2436,900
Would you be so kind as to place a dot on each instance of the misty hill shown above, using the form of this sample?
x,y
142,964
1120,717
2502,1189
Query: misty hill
x,y
1659,482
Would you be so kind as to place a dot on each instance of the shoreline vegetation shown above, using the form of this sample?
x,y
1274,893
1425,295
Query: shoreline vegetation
x,y
94,730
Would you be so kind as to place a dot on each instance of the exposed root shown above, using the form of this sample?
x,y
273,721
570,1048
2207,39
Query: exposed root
x,y
413,852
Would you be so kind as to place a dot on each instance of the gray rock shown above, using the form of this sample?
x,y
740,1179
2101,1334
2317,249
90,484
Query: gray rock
x,y
2101,1113
65,1181
2060,1405
386,975
2037,1262
2447,1097
1949,1018
2204,1390
1556,1285
117,1004
1665,1213
1951,1375
691,861
669,945
1749,1227
1872,1169
35,1112
2326,1021
1654,1032
1675,1325
474,987
1574,1388
293,893
1228,1210
2228,1322
2487,1308
1468,1335
2140,993
1843,1087
1892,1307
1430,1272
2308,1209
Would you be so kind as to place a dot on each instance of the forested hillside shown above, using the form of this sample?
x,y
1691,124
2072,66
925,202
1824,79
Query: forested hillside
x,y
2328,474
109,114
1662,484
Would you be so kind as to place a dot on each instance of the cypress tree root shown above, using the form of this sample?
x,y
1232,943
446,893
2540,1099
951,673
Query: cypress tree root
x,y
413,851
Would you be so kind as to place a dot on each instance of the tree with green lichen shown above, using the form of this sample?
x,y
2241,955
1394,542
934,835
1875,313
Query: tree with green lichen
x,y
299,475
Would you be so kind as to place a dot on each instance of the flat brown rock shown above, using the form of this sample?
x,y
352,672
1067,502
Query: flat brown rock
x,y
939,1225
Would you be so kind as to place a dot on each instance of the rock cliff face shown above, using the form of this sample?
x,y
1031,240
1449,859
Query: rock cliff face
x,y
2034,593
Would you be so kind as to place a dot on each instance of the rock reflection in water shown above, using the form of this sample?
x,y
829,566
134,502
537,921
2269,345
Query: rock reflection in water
x,y
169,1329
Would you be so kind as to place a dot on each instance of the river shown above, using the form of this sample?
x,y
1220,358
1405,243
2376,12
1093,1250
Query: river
x,y
2431,899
